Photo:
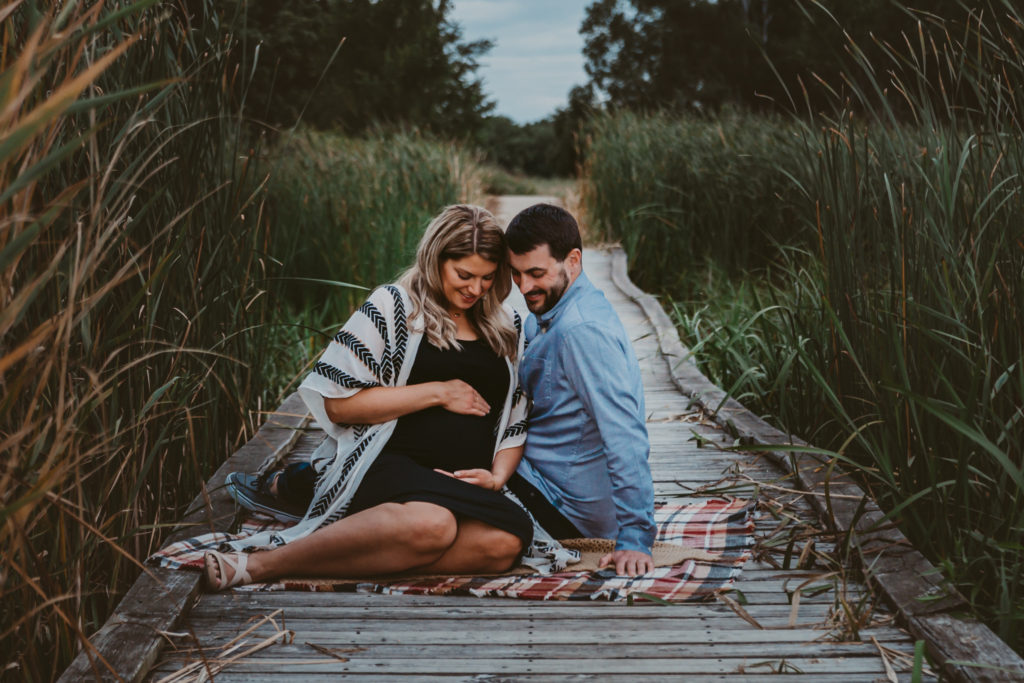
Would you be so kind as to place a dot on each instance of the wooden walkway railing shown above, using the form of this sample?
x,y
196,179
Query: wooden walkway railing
x,y
834,628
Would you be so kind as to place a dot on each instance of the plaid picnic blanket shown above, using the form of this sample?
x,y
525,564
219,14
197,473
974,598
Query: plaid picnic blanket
x,y
718,526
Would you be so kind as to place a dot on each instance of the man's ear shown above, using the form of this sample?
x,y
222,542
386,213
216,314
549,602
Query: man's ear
x,y
574,260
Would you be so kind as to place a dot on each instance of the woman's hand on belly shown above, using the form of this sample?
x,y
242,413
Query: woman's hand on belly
x,y
382,404
478,477
459,397
504,464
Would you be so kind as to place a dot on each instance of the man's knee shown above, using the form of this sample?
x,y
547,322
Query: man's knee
x,y
429,528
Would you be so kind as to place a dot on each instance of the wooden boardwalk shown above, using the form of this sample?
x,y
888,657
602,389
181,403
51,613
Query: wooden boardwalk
x,y
383,637
797,610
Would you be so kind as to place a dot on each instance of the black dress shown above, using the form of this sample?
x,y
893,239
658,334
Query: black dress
x,y
438,438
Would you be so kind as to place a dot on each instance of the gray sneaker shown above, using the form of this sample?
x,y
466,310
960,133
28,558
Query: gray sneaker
x,y
252,491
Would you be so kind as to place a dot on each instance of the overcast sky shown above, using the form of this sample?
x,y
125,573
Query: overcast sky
x,y
538,53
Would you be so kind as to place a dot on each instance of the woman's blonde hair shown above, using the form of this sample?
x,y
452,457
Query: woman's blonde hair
x,y
457,232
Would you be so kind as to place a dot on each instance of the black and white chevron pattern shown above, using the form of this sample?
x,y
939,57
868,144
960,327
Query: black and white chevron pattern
x,y
514,430
401,329
341,377
369,310
377,318
324,502
359,350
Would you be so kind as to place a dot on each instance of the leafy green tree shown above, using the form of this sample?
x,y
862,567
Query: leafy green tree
x,y
699,54
529,148
403,62
570,124
544,148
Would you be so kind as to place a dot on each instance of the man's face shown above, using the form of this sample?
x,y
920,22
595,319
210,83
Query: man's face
x,y
540,278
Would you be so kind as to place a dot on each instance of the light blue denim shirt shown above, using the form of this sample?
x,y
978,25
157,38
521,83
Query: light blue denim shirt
x,y
587,446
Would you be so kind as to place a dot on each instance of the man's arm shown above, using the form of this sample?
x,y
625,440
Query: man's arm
x,y
599,370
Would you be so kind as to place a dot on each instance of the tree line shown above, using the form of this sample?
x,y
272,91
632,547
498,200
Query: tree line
x,y
359,65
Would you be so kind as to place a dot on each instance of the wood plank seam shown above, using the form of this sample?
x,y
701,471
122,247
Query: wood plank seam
x,y
904,576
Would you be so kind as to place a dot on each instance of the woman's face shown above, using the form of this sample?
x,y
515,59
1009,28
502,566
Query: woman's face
x,y
466,280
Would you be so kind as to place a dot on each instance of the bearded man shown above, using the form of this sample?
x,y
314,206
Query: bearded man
x,y
585,470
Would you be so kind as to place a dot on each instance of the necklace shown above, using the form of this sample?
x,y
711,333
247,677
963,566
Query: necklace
x,y
456,314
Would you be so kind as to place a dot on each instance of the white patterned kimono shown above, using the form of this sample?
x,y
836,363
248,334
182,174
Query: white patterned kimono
x,y
377,348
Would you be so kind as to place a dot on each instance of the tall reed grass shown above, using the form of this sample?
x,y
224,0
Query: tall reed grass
x,y
681,189
144,319
127,270
354,209
898,333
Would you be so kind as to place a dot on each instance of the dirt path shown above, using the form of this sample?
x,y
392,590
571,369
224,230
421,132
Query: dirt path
x,y
504,207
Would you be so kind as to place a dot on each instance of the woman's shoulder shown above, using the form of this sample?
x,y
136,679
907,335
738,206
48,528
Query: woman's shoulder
x,y
390,296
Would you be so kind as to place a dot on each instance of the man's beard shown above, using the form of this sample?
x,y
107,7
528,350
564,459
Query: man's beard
x,y
551,296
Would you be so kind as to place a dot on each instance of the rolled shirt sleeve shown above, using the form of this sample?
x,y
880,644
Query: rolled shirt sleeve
x,y
606,377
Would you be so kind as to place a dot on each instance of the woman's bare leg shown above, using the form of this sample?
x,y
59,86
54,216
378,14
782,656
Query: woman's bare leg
x,y
387,538
478,547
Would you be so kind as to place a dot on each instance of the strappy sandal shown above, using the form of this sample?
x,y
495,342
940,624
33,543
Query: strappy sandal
x,y
214,560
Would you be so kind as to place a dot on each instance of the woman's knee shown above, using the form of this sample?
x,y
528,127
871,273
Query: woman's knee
x,y
500,550
429,528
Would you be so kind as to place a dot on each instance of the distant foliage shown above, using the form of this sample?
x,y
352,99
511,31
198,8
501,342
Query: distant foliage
x,y
549,147
702,54
531,149
403,63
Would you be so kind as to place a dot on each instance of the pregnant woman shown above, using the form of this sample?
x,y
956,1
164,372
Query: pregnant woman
x,y
418,396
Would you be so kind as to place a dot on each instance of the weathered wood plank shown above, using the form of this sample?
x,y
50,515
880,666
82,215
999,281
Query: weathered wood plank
x,y
868,667
777,597
596,665
549,623
399,611
130,641
300,649
539,632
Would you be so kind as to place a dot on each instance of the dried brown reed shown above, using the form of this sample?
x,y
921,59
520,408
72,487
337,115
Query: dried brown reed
x,y
126,271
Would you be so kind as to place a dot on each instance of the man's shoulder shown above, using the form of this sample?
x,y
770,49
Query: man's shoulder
x,y
591,311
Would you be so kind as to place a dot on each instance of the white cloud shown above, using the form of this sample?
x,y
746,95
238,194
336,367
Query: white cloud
x,y
473,12
537,58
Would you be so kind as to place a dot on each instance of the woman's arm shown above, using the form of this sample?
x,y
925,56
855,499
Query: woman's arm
x,y
382,404
504,465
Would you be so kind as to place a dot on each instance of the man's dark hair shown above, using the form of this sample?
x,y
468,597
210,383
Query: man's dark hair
x,y
544,224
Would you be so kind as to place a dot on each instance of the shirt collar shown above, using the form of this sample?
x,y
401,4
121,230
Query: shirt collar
x,y
575,290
